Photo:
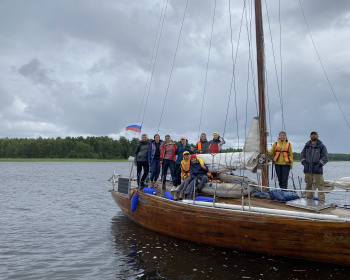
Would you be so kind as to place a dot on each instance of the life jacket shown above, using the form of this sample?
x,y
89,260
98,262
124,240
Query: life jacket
x,y
199,145
285,152
185,169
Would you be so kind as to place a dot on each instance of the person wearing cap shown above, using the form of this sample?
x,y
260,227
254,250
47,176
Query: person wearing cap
x,y
314,156
182,147
198,172
167,159
202,146
186,176
282,159
153,158
216,144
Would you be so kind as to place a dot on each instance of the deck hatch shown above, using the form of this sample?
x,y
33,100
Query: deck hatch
x,y
309,204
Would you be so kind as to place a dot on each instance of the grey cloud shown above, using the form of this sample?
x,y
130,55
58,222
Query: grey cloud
x,y
83,65
36,73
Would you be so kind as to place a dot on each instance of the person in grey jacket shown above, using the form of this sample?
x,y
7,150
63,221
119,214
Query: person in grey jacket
x,y
314,156
141,159
202,146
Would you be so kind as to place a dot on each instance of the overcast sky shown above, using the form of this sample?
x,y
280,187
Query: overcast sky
x,y
83,68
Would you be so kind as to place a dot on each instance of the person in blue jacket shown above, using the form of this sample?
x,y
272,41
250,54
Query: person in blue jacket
x,y
182,147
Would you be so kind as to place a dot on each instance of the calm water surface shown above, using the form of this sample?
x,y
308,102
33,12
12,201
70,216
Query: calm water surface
x,y
59,221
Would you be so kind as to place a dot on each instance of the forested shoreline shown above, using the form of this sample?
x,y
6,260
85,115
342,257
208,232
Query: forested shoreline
x,y
91,147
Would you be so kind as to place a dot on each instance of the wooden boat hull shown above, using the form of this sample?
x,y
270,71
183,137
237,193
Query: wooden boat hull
x,y
322,241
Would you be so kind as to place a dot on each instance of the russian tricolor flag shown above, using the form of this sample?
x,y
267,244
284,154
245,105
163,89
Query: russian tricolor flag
x,y
134,127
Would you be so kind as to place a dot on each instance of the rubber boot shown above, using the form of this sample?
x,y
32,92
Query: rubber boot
x,y
181,194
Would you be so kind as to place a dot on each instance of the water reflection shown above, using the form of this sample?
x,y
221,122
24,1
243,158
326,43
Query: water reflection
x,y
149,255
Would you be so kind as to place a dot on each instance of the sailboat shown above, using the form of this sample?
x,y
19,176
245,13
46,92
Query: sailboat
x,y
305,229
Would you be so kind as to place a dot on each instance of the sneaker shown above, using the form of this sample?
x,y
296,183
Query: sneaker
x,y
173,189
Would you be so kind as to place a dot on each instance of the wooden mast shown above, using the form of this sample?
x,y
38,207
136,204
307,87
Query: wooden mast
x,y
261,86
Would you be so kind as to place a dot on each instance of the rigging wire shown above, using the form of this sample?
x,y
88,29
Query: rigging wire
x,y
251,50
206,73
281,91
154,64
172,67
233,78
324,70
276,73
152,57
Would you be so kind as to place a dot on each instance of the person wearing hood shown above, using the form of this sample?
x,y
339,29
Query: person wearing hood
x,y
182,147
198,172
153,158
202,146
141,160
216,144
314,156
282,158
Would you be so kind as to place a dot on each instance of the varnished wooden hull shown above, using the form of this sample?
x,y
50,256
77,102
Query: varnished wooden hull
x,y
305,239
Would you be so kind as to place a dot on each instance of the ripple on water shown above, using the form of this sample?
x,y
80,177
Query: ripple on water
x,y
60,222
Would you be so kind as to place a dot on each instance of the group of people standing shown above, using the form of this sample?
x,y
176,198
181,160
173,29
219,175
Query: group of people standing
x,y
185,167
313,157
152,156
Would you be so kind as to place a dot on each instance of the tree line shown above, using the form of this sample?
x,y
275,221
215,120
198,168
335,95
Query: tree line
x,y
91,147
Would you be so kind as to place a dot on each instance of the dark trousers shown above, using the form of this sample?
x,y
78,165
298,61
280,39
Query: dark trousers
x,y
140,165
282,172
168,163
177,174
155,170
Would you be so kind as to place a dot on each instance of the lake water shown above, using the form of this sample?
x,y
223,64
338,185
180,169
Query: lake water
x,y
59,221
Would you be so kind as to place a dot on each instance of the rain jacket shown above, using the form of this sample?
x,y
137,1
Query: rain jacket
x,y
152,150
202,146
163,150
141,151
313,157
179,151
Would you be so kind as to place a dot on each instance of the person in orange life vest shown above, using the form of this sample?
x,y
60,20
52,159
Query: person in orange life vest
x,y
198,172
183,146
185,171
216,144
167,159
282,153
202,146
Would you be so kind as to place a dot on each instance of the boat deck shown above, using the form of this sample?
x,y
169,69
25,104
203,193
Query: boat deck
x,y
316,207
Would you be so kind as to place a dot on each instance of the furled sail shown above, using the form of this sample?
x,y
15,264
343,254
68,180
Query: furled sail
x,y
248,159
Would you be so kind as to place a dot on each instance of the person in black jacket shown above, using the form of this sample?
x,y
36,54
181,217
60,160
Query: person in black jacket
x,y
314,156
141,159
198,172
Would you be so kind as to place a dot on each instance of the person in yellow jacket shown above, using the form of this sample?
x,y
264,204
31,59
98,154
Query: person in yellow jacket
x,y
282,153
186,176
